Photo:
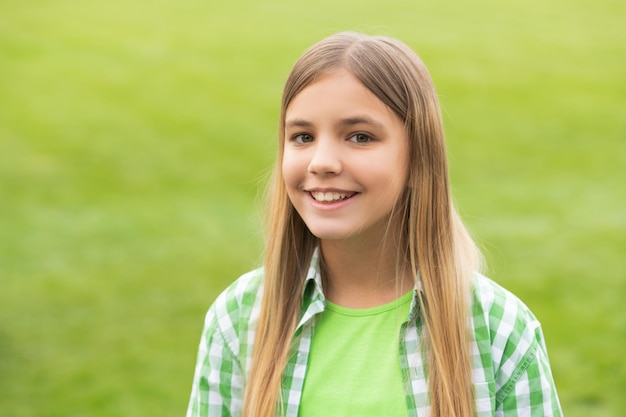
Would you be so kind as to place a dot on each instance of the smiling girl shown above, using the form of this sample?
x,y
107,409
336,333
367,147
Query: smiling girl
x,y
369,302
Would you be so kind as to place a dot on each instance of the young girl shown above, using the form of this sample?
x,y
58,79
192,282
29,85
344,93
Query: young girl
x,y
369,303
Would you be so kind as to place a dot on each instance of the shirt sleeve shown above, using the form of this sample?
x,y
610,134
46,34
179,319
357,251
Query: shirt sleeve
x,y
218,382
530,391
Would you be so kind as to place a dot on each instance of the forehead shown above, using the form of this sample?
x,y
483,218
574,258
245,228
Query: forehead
x,y
338,94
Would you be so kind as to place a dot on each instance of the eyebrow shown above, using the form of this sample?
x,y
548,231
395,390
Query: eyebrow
x,y
359,120
298,123
350,121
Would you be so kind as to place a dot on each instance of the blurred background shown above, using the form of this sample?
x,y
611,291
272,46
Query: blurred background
x,y
136,138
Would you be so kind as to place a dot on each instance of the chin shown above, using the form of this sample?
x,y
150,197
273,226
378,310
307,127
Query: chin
x,y
326,234
336,234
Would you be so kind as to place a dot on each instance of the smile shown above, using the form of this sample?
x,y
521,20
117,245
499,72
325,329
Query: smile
x,y
330,197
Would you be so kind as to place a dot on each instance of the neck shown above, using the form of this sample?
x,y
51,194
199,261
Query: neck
x,y
362,274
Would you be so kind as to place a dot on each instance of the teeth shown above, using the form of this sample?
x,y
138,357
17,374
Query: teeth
x,y
329,197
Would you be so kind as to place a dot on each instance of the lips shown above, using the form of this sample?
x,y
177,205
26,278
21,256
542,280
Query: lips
x,y
330,196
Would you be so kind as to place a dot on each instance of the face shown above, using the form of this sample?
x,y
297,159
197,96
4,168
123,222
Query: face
x,y
345,160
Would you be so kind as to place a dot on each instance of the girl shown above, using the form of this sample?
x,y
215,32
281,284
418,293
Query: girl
x,y
369,303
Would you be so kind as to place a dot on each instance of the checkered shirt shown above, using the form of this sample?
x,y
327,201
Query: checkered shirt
x,y
511,372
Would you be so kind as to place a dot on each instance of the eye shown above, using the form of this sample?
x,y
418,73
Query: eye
x,y
360,138
302,138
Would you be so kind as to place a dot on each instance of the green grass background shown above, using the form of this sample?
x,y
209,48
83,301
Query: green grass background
x,y
135,139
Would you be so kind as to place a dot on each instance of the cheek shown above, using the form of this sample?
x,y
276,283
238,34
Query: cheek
x,y
391,185
401,168
390,170
291,170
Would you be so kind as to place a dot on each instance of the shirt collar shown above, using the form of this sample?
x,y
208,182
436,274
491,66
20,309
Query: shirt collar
x,y
313,282
314,300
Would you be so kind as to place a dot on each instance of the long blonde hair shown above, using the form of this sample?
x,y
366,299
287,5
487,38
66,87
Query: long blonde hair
x,y
432,240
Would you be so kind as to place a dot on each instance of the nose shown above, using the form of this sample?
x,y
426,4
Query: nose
x,y
326,158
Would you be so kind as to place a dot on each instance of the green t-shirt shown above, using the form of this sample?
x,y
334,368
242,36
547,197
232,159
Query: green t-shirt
x,y
354,367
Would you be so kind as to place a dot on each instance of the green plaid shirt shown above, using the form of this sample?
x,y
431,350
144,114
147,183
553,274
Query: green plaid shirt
x,y
511,372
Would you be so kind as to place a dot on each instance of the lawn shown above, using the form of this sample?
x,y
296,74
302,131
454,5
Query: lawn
x,y
136,138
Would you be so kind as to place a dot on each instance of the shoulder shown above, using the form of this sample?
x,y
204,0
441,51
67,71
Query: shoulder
x,y
241,294
234,312
225,348
505,330
503,323
499,306
511,352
